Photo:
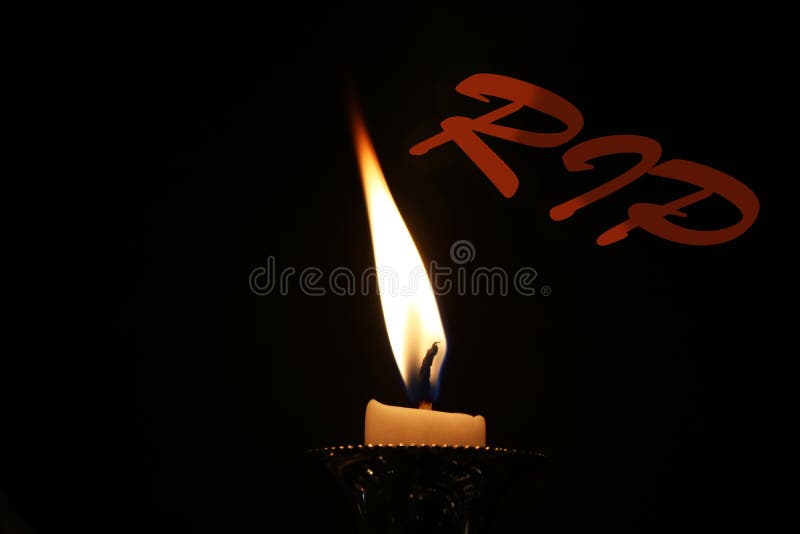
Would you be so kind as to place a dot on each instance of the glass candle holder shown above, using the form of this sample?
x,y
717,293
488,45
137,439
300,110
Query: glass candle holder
x,y
405,489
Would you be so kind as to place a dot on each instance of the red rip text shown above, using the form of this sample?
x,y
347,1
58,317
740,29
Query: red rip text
x,y
649,217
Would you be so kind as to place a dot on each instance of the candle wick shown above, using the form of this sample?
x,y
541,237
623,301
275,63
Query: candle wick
x,y
425,393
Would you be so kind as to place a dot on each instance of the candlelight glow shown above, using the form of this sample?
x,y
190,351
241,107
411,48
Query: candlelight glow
x,y
409,307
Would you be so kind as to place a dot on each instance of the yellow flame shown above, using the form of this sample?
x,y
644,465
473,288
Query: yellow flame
x,y
409,306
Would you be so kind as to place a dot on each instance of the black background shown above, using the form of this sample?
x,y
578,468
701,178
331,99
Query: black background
x,y
159,155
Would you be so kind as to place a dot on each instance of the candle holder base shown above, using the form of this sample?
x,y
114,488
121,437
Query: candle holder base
x,y
404,489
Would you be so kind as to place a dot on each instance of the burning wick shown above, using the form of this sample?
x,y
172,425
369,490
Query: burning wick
x,y
425,396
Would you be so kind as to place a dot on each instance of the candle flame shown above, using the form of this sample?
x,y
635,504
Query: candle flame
x,y
407,299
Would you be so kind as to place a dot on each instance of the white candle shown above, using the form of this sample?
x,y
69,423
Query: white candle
x,y
412,320
385,424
